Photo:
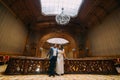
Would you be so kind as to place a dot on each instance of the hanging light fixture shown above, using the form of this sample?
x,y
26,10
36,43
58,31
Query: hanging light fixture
x,y
63,10
62,18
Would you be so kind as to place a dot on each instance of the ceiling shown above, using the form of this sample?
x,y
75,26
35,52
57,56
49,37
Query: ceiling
x,y
92,12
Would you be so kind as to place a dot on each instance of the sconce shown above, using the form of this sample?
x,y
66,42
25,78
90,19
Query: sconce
x,y
73,49
41,48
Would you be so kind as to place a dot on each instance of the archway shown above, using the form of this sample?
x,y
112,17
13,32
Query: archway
x,y
70,48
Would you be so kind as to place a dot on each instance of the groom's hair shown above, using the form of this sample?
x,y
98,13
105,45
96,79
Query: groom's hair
x,y
54,45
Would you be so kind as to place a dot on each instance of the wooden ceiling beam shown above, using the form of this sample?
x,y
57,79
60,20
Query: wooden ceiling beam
x,y
98,19
6,6
91,12
102,7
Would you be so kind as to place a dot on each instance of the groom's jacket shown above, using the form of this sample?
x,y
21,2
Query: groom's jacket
x,y
50,53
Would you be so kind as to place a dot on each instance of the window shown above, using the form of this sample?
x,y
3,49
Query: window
x,y
54,7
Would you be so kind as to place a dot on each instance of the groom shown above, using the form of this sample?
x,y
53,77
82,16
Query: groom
x,y
53,52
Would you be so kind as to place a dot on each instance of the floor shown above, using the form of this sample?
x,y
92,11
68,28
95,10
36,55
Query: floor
x,y
64,77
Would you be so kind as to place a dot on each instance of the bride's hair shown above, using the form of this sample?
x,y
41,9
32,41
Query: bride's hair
x,y
61,47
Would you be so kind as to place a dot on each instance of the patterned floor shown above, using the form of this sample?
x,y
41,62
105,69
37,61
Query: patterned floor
x,y
64,77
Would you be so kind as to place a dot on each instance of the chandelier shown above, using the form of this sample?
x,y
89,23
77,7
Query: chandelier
x,y
62,18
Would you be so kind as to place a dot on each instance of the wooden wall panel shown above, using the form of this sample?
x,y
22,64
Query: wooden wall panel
x,y
12,33
105,38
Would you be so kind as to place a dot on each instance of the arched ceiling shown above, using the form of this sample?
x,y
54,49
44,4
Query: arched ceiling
x,y
92,12
66,36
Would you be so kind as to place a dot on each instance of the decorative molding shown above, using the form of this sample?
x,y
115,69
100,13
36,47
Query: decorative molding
x,y
11,53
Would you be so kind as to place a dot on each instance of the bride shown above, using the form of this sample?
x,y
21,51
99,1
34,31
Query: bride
x,y
60,60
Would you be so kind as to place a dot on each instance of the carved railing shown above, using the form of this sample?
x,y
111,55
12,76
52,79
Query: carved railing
x,y
29,65
90,66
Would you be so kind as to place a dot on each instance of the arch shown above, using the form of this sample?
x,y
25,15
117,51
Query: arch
x,y
64,35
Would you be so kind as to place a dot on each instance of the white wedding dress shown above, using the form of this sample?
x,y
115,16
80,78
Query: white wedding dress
x,y
60,62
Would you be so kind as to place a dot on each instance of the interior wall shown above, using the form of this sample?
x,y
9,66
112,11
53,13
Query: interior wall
x,y
13,33
105,38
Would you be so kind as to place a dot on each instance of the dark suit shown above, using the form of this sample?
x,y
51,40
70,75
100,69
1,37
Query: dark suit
x,y
53,60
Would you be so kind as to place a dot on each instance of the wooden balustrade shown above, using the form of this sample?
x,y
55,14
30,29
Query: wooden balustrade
x,y
29,65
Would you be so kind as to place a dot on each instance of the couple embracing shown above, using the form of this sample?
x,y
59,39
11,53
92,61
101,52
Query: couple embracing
x,y
56,57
